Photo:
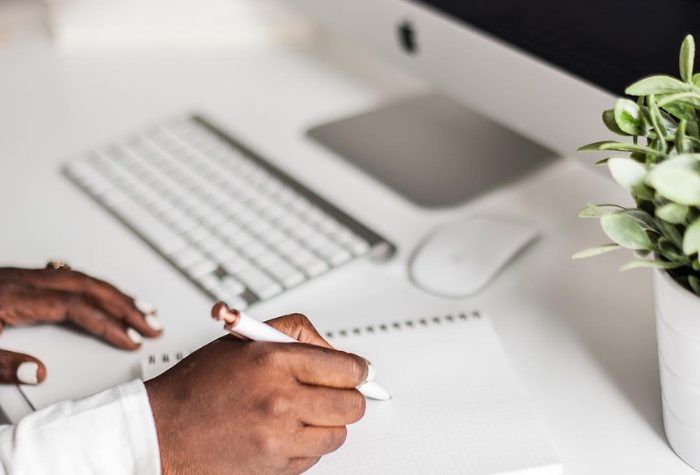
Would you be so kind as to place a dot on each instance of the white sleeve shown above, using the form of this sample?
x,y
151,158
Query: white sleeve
x,y
109,433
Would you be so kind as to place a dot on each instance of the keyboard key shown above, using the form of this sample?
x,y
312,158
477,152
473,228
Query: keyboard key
x,y
259,283
232,287
316,241
187,256
211,282
287,247
223,254
146,224
211,244
240,239
288,221
213,219
302,231
227,228
359,246
313,267
286,274
201,268
236,264
259,227
272,236
253,249
334,254
198,234
267,259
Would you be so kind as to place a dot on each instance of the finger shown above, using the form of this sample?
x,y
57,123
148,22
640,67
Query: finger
x,y
325,407
318,366
319,441
25,305
300,328
300,465
135,314
16,368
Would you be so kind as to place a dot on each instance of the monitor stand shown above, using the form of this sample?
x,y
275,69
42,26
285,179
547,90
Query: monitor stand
x,y
432,150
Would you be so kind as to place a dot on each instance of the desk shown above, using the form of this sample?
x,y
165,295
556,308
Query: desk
x,y
581,337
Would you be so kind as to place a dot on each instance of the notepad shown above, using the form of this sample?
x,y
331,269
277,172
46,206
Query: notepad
x,y
456,407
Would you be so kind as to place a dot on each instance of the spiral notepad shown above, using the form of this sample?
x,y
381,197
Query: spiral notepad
x,y
456,406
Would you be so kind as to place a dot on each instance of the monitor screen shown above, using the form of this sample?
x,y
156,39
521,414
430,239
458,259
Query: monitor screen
x,y
611,43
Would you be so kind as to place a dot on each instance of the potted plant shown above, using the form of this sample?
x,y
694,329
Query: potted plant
x,y
662,172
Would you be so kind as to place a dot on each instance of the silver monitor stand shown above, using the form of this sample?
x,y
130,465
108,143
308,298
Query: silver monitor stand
x,y
432,150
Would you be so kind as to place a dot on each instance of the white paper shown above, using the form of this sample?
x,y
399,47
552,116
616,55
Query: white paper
x,y
456,407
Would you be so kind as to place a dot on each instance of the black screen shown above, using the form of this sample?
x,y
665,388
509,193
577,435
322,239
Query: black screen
x,y
611,43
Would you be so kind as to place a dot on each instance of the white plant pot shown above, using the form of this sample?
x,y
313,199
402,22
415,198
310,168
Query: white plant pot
x,y
678,333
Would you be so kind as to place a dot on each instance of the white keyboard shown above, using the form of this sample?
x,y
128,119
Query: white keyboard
x,y
239,228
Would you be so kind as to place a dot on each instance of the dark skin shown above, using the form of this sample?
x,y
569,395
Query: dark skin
x,y
232,407
239,407
34,296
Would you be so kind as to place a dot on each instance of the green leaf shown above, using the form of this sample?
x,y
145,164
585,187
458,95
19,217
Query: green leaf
x,y
598,211
627,173
694,284
643,218
595,251
677,180
670,231
671,252
625,231
691,239
687,59
689,98
681,111
620,147
673,213
654,264
658,85
611,124
656,121
696,80
600,163
628,117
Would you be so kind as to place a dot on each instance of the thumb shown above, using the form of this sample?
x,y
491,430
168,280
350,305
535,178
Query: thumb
x,y
16,368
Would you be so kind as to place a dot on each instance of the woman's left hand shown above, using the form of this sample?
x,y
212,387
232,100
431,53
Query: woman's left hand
x,y
60,294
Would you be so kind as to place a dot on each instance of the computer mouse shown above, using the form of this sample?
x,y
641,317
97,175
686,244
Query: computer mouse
x,y
462,258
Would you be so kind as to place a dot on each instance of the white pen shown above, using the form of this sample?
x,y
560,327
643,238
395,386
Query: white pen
x,y
241,324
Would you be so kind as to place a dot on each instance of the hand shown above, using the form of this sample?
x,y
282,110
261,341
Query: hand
x,y
50,295
244,408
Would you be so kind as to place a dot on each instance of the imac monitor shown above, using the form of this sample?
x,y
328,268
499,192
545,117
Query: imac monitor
x,y
525,81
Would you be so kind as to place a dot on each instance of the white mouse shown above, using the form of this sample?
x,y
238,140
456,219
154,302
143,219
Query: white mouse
x,y
460,259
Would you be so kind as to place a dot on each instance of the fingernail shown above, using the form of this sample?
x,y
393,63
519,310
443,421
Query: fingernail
x,y
145,307
134,336
371,372
28,373
154,323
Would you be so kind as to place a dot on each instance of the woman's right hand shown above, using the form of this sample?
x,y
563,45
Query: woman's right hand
x,y
241,407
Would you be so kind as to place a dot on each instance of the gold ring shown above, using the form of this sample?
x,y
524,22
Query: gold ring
x,y
57,264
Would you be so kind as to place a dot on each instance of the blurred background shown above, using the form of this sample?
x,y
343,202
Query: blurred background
x,y
144,23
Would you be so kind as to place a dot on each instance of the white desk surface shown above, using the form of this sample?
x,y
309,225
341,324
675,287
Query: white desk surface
x,y
580,336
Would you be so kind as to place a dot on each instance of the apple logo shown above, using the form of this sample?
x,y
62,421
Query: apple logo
x,y
407,37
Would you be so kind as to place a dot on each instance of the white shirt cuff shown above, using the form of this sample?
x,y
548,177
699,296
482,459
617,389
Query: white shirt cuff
x,y
112,432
